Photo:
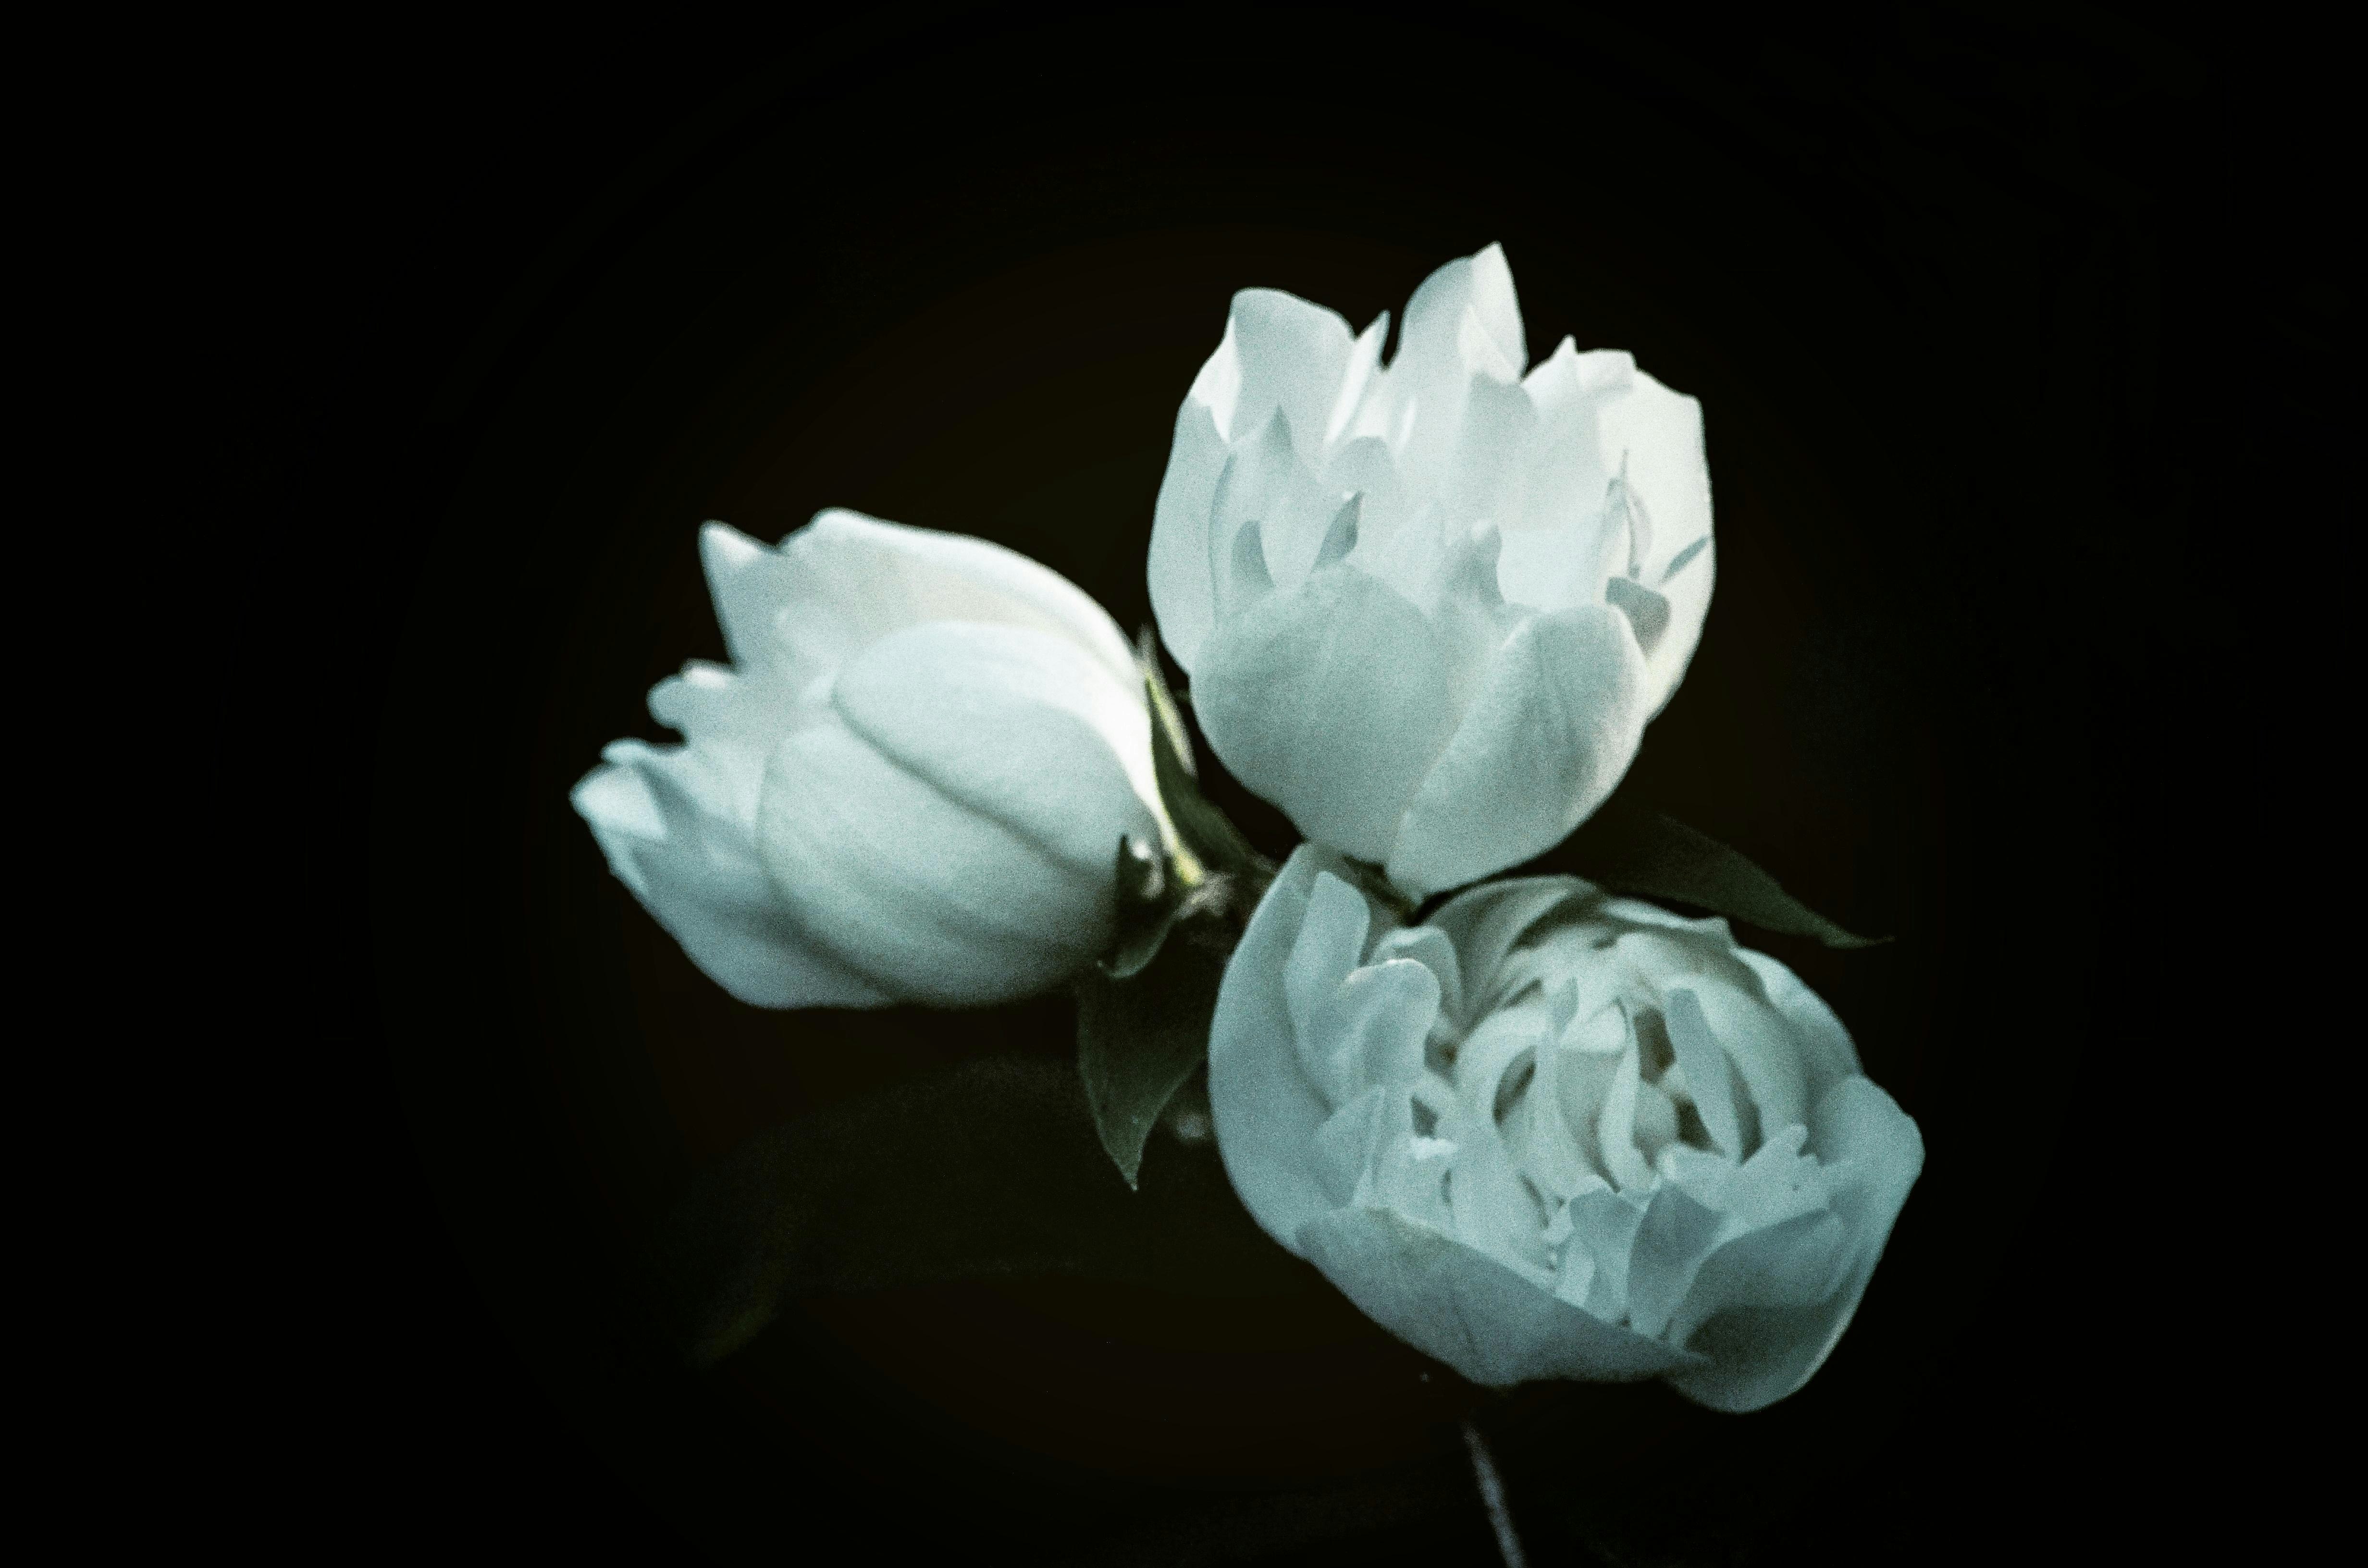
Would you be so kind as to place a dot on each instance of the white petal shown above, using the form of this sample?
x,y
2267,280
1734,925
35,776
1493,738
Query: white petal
x,y
1372,1029
1493,1211
1659,434
932,900
1358,384
1566,377
696,871
1018,726
1602,1224
1758,1355
1788,1264
1551,732
1462,323
1677,1233
1293,356
1353,1137
1265,1107
1181,589
1366,470
1580,1083
1501,1042
1765,1048
1709,1078
1218,387
1469,614
749,584
1330,701
1550,1147
1469,1310
1429,946
1558,548
1496,309
1479,286
1485,922
1487,473
1615,1128
1827,1055
1330,944
855,579
1408,1173
1266,483
733,720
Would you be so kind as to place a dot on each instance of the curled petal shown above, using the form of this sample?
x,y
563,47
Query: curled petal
x,y
1758,1354
1266,1107
1763,1044
1429,946
1484,922
1329,947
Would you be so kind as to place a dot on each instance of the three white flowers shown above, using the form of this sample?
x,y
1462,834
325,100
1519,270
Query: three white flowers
x,y
1428,608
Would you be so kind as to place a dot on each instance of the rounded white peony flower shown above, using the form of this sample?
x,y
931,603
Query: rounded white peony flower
x,y
910,784
1551,1133
1429,608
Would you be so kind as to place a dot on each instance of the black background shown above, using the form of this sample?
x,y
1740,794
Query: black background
x,y
1998,321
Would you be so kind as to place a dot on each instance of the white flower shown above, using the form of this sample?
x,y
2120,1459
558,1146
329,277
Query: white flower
x,y
1550,1133
910,784
1429,609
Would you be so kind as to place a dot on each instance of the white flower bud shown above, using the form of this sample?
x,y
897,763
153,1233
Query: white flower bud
x,y
909,786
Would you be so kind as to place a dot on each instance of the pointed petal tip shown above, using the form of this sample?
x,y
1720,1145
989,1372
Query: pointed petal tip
x,y
723,548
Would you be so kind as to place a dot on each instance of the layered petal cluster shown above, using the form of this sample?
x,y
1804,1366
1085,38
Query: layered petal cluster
x,y
1429,608
1551,1133
909,785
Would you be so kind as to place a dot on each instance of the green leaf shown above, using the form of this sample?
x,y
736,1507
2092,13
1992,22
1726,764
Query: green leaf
x,y
1147,908
991,1171
1631,850
1139,1040
1209,835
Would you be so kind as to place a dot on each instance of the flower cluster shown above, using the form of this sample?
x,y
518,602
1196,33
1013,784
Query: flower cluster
x,y
1428,608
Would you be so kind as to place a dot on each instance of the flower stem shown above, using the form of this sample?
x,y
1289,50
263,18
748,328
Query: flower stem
x,y
1492,1497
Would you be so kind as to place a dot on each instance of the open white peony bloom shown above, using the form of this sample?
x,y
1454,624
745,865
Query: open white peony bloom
x,y
1429,608
910,784
1550,1133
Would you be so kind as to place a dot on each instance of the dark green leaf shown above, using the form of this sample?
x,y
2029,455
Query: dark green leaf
x,y
1208,834
1631,850
991,1171
1139,1040
1147,908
